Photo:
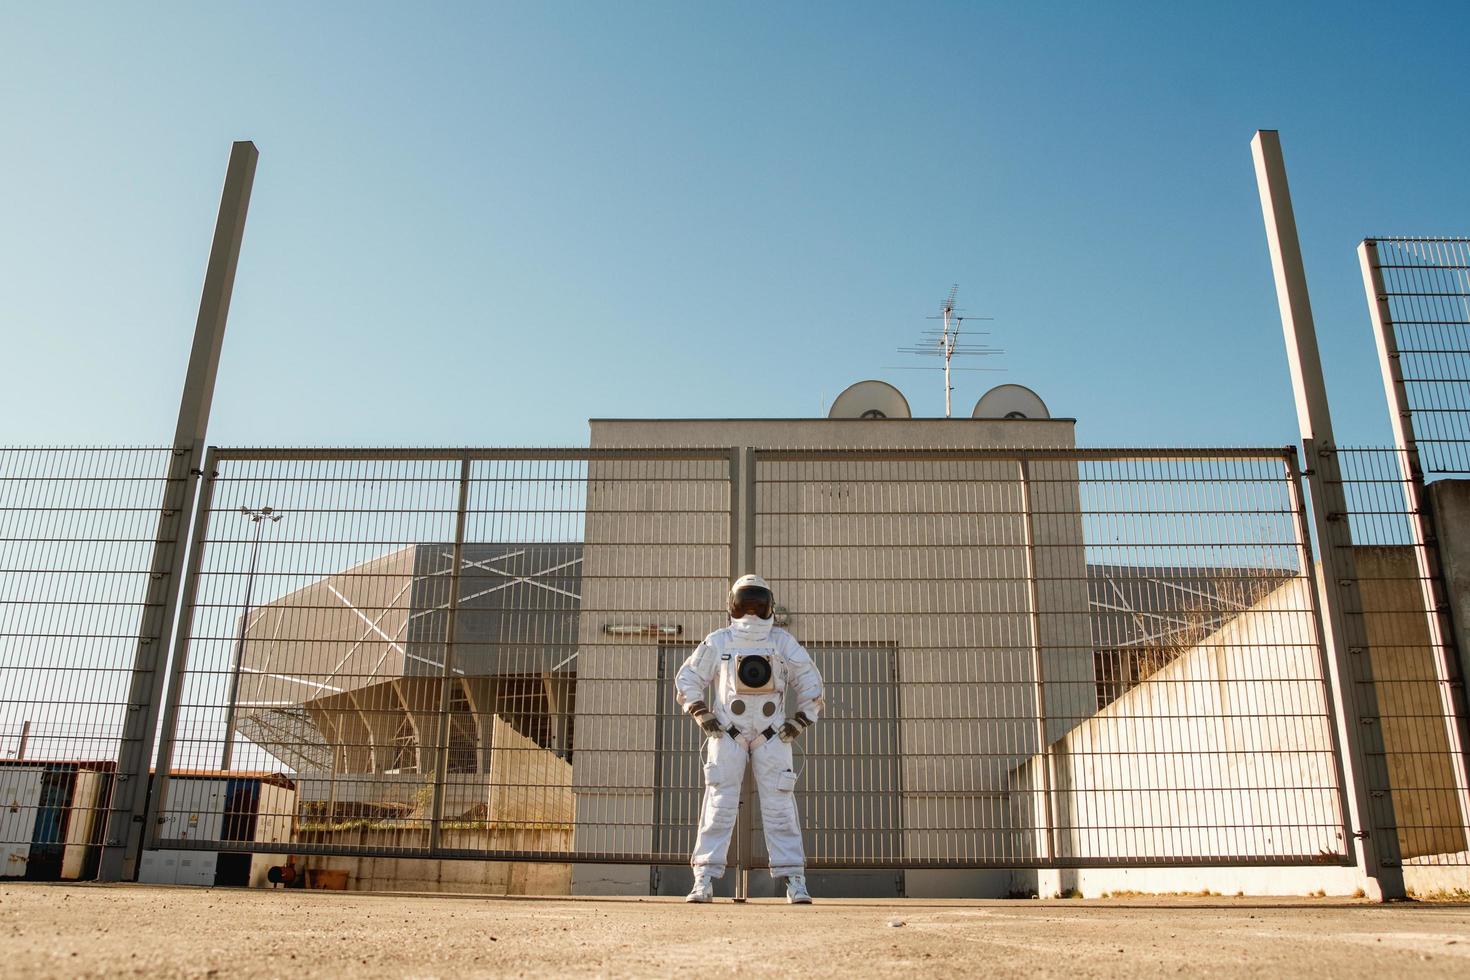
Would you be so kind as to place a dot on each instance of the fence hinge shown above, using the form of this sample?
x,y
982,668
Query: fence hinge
x,y
1357,651
1368,721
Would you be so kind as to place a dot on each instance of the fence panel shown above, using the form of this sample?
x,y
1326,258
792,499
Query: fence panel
x,y
1099,658
1417,778
77,533
437,654
1419,294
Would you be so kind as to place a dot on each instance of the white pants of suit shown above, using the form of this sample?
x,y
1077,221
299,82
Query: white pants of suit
x,y
724,769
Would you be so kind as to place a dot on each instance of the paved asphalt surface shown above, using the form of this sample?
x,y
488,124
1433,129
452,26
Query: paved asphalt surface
x,y
136,930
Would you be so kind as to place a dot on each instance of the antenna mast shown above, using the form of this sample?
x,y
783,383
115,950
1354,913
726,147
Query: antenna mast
x,y
945,343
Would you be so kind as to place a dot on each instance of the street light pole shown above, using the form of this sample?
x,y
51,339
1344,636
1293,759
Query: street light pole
x,y
258,518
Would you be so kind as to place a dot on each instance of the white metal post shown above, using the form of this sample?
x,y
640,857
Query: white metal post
x,y
1043,806
445,728
743,550
122,841
1374,842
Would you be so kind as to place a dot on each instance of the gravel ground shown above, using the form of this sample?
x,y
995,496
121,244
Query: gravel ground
x,y
138,930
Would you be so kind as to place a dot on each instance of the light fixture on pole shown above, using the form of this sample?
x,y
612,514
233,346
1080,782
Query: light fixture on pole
x,y
259,517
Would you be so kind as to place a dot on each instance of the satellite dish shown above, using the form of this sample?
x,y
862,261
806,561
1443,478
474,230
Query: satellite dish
x,y
870,400
1010,402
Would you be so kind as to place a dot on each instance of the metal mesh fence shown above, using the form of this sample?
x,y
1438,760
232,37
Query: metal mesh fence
x,y
1422,293
1407,688
1060,660
1095,658
441,653
1033,659
77,533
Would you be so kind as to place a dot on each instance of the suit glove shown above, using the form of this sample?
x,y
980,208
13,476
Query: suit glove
x,y
793,727
704,717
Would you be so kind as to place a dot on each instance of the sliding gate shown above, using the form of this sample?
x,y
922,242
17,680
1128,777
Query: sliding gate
x,y
1049,658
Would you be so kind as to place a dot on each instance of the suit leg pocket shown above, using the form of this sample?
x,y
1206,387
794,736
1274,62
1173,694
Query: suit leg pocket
x,y
786,781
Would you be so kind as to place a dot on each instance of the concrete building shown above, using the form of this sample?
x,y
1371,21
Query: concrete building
x,y
952,562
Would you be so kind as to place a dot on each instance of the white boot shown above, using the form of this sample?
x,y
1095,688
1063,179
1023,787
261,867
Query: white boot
x,y
796,893
704,889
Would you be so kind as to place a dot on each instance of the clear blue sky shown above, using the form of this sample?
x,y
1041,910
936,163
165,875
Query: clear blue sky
x,y
483,223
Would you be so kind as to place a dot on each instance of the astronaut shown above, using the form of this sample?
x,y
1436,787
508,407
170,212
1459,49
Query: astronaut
x,y
747,668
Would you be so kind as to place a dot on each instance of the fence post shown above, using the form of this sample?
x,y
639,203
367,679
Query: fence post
x,y
1043,807
1422,535
446,675
168,733
1377,854
1334,682
122,840
742,561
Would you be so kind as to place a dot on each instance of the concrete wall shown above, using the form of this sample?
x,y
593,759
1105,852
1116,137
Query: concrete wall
x,y
1241,773
530,788
472,877
1226,751
656,552
1419,766
524,804
1450,502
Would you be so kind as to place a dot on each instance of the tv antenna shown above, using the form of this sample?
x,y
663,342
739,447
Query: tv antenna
x,y
945,343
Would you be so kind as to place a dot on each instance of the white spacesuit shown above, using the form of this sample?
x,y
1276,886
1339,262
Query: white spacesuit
x,y
747,668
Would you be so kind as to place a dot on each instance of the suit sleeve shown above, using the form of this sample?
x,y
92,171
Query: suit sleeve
x,y
695,674
803,679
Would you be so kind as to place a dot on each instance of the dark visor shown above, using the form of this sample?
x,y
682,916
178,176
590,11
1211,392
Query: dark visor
x,y
752,594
